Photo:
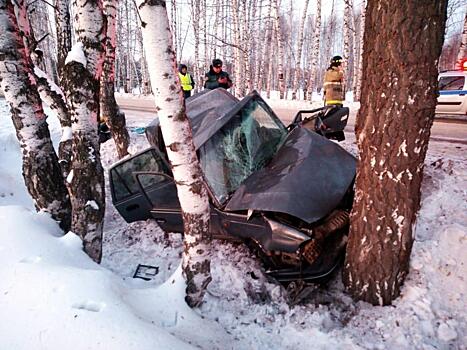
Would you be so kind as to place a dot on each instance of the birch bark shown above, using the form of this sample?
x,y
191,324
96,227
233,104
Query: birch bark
x,y
177,135
41,171
298,63
346,33
239,58
265,46
109,110
280,49
83,69
315,52
358,80
195,7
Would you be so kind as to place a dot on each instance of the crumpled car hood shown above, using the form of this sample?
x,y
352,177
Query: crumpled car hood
x,y
307,178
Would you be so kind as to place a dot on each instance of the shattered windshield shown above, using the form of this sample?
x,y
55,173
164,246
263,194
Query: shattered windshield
x,y
242,146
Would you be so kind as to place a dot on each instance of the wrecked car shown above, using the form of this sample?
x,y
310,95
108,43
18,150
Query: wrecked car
x,y
285,191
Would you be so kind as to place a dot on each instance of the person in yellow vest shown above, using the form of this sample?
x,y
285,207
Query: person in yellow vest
x,y
334,92
186,80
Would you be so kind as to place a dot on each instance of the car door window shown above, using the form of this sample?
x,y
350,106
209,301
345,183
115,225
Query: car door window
x,y
123,180
451,83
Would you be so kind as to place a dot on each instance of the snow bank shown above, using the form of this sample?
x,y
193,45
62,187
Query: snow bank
x,y
55,297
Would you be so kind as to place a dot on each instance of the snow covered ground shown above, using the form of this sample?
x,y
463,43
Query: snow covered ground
x,y
52,296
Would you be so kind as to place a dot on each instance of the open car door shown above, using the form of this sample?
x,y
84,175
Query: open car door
x,y
142,186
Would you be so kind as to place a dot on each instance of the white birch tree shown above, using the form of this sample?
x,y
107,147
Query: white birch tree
x,y
298,63
358,75
83,69
239,86
41,171
315,52
348,16
280,49
265,48
195,7
177,136
109,110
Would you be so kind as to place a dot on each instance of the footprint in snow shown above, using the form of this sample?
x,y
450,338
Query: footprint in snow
x,y
89,306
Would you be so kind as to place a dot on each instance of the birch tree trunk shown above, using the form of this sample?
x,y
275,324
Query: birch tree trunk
x,y
239,58
204,17
53,96
109,110
315,53
63,33
195,6
298,62
393,130
216,27
40,24
355,50
462,55
173,24
280,49
348,15
269,80
41,171
254,44
49,93
82,73
358,79
177,135
265,46
246,43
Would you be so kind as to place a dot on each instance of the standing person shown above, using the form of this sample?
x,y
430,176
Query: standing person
x,y
334,83
216,77
185,80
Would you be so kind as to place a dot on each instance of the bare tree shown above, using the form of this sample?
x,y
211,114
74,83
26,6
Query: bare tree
x,y
314,60
280,47
238,54
299,51
109,110
358,73
348,17
463,46
178,139
41,171
263,50
393,130
83,68
195,6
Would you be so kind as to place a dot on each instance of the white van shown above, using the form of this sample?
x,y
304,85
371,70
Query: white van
x,y
453,92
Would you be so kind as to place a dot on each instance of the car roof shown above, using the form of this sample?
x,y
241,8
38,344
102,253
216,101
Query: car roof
x,y
210,111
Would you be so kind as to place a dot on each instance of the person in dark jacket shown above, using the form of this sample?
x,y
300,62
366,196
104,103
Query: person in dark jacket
x,y
216,77
186,80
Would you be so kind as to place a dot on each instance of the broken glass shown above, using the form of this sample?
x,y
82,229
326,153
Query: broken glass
x,y
244,145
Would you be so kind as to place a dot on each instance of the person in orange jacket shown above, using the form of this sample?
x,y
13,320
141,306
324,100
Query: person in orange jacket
x,y
334,92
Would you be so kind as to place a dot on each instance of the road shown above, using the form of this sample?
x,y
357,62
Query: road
x,y
142,109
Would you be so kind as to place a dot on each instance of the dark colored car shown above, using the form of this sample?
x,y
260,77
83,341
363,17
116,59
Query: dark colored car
x,y
285,191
